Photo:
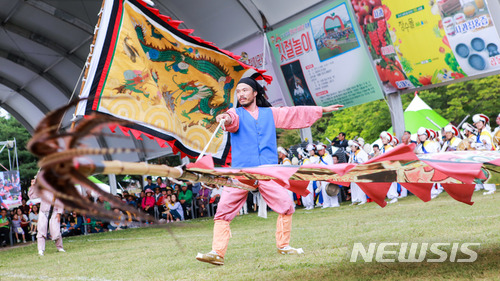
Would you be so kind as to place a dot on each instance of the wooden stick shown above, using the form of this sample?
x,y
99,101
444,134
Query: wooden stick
x,y
129,168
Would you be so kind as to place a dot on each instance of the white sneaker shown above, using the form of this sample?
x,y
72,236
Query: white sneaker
x,y
40,253
394,200
290,251
211,257
361,203
488,192
61,250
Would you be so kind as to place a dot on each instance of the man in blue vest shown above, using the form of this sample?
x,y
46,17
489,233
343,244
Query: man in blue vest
x,y
253,143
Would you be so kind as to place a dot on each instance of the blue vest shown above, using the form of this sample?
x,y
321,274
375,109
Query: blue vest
x,y
254,143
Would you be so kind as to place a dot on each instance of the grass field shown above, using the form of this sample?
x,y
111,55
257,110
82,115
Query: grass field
x,y
325,53
326,236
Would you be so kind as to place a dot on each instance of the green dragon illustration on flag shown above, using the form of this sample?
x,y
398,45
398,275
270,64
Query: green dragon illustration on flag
x,y
171,85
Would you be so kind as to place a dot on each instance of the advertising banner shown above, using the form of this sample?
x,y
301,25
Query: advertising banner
x,y
322,60
10,189
252,53
415,43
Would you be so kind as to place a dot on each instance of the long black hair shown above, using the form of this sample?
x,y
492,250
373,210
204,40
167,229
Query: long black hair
x,y
260,99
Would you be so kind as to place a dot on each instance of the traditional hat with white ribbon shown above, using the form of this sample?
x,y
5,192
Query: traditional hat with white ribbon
x,y
386,135
480,117
468,127
310,147
451,129
353,142
282,150
320,146
423,131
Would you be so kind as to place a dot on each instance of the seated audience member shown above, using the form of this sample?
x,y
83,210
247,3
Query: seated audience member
x,y
176,208
74,226
202,200
4,228
166,213
185,198
148,202
117,224
160,202
195,188
16,225
215,193
25,221
97,226
131,200
33,219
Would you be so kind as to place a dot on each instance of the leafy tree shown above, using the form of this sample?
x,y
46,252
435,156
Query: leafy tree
x,y
10,128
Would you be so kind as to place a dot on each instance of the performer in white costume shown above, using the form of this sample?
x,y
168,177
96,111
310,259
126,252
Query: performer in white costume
x,y
452,138
357,156
484,141
308,201
388,140
326,159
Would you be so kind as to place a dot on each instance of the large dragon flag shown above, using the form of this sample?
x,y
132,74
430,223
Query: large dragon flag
x,y
144,69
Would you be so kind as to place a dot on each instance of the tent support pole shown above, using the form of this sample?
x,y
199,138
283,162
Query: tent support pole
x,y
397,115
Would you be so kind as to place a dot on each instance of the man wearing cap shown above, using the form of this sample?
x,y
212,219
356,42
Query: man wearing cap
x,y
253,143
484,141
48,201
358,156
452,141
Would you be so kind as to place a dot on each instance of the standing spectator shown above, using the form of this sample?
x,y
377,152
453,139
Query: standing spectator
x,y
148,202
185,198
4,227
326,159
195,188
202,199
340,141
24,208
160,183
139,200
18,230
150,184
176,208
33,219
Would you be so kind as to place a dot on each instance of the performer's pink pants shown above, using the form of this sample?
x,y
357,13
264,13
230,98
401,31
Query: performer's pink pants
x,y
232,199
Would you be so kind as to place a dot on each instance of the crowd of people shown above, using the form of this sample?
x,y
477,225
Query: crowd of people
x,y
472,137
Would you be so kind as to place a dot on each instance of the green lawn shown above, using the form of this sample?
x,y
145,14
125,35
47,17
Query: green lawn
x,y
325,53
326,236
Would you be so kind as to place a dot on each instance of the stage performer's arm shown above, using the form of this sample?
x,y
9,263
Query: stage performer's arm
x,y
298,117
295,117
